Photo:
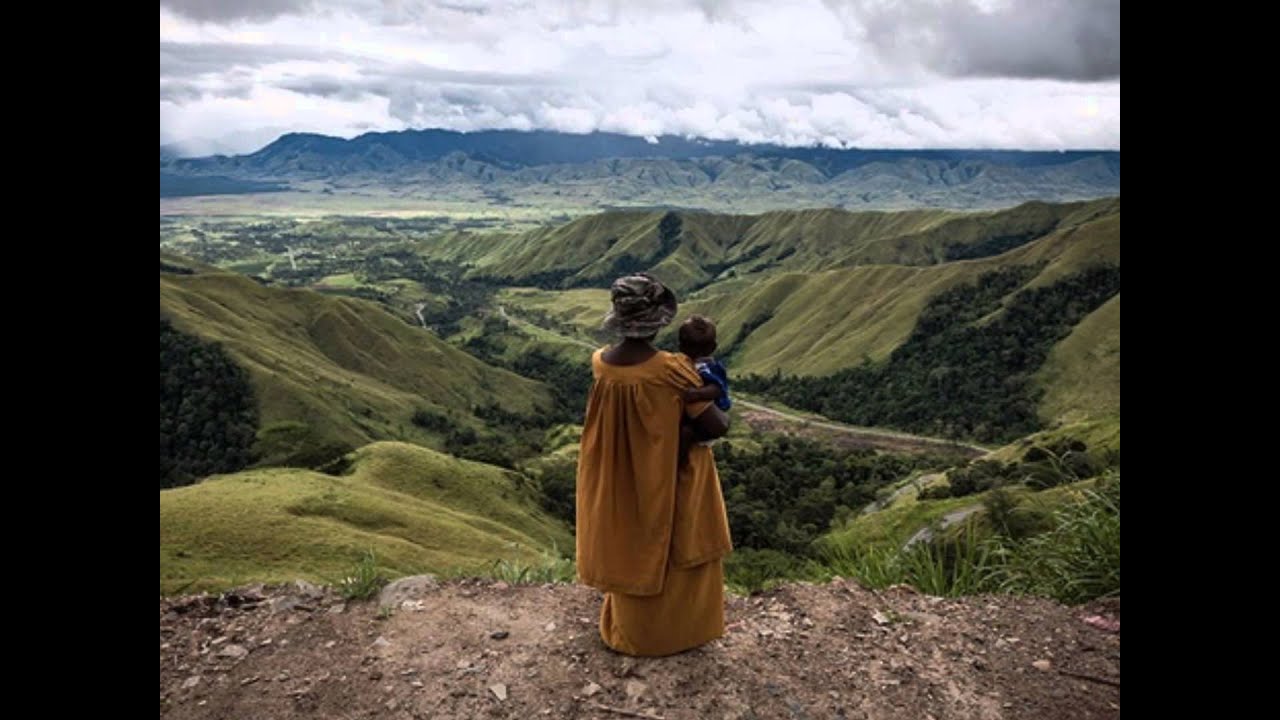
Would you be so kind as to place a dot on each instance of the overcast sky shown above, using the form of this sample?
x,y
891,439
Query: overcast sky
x,y
1024,74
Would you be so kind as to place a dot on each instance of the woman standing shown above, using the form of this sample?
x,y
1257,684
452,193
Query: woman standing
x,y
650,533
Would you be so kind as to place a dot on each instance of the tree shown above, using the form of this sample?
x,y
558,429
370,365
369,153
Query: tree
x,y
208,412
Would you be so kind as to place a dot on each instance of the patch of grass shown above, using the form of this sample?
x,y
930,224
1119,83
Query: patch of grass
x,y
342,280
1076,560
1079,559
1081,376
418,510
894,525
363,581
547,567
949,568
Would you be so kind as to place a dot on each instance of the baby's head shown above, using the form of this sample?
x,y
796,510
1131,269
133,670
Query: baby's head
x,y
698,337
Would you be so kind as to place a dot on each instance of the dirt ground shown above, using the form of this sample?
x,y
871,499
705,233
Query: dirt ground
x,y
478,648
852,438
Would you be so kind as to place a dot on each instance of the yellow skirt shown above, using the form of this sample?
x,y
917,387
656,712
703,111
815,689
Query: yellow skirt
x,y
688,613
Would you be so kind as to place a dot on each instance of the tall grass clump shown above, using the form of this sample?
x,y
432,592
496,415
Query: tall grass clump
x,y
961,566
1078,560
1075,560
363,580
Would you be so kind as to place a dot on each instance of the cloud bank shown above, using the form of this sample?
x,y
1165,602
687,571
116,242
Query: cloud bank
x,y
906,74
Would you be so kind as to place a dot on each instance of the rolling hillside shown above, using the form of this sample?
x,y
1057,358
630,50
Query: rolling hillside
x,y
827,291
334,373
695,249
417,509
1082,375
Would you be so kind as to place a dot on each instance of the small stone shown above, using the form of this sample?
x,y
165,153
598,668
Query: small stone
x,y
337,609
834,695
265,643
499,635
1041,665
590,689
806,622
283,676
500,585
880,618
330,644
499,690
191,682
635,689
549,627
220,640
381,642
233,651
464,664
392,704
250,681
416,683
408,588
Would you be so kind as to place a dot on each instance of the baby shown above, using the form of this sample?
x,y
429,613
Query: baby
x,y
698,342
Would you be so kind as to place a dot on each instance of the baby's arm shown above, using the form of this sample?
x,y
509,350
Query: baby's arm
x,y
708,392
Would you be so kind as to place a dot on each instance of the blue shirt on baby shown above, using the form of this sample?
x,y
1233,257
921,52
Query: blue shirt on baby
x,y
713,371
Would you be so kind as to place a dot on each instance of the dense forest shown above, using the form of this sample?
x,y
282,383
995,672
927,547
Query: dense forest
x,y
208,413
965,371
782,495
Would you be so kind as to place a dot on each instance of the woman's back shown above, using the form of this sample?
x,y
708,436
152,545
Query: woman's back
x,y
627,471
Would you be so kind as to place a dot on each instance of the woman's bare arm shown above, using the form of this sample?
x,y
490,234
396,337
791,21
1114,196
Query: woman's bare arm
x,y
712,423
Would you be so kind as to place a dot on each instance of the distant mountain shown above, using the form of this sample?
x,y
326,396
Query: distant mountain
x,y
633,170
181,186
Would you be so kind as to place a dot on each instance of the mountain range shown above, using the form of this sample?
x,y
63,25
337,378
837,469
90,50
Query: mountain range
x,y
605,169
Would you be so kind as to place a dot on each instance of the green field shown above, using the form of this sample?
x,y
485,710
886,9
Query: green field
x,y
418,510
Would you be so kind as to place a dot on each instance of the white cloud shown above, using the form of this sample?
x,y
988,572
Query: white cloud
x,y
785,71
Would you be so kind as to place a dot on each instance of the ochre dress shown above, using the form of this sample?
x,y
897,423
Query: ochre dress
x,y
651,541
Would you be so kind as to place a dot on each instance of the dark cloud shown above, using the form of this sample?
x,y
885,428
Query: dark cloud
x,y
1076,40
180,92
229,10
191,59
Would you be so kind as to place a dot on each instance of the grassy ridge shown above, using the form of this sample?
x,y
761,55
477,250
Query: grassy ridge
x,y
591,250
333,371
418,510
1082,374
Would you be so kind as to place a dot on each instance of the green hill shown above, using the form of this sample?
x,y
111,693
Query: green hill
x,y
693,249
417,509
334,373
819,322
1082,375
